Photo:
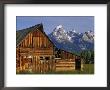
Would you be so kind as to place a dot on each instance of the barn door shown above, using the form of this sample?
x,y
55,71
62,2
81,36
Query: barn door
x,y
77,63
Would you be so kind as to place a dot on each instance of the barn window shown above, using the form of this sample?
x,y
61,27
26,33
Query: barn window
x,y
42,46
41,58
47,58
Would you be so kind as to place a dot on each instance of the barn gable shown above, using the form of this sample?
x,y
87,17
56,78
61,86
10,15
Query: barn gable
x,y
21,34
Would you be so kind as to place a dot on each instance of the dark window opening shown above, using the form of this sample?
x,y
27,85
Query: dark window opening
x,y
41,58
78,63
47,58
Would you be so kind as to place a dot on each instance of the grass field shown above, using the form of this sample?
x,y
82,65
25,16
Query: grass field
x,y
88,69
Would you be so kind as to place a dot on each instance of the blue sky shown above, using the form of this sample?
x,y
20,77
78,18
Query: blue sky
x,y
79,23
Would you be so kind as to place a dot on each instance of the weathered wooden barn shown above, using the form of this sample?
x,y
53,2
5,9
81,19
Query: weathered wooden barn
x,y
35,52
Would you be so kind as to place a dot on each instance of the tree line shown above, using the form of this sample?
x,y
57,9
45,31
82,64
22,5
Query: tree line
x,y
88,56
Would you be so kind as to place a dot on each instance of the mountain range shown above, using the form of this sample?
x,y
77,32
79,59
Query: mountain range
x,y
71,40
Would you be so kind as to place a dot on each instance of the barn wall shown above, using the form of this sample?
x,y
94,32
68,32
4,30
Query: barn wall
x,y
35,53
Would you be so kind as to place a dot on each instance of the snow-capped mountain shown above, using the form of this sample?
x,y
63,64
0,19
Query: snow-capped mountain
x,y
60,34
88,36
72,40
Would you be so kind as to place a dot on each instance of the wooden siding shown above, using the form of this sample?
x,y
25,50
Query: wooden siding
x,y
31,49
36,39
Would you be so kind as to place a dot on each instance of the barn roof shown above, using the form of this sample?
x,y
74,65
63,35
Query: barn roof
x,y
21,34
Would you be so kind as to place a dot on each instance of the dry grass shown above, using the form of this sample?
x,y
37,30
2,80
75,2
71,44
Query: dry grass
x,y
88,69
